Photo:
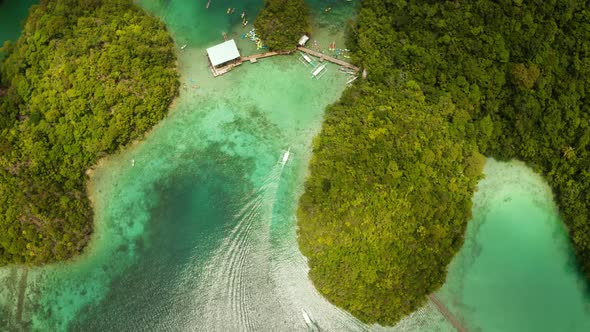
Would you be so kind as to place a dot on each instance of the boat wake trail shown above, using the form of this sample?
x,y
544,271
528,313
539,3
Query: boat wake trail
x,y
257,279
237,276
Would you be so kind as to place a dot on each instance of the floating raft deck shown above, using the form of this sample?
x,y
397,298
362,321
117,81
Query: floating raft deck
x,y
218,71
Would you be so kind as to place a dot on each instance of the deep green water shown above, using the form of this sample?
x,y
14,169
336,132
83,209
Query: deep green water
x,y
200,233
12,16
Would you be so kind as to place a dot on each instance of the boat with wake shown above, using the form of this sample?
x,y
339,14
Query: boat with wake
x,y
286,156
311,324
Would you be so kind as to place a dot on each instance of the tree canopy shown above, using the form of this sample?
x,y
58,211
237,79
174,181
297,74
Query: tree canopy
x,y
386,205
85,78
505,78
521,71
281,23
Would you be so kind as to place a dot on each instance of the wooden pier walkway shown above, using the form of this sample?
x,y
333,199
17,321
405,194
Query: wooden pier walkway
x,y
22,288
448,315
254,58
323,56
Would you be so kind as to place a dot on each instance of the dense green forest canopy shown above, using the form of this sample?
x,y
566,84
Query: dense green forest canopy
x,y
516,74
85,78
386,205
281,23
520,69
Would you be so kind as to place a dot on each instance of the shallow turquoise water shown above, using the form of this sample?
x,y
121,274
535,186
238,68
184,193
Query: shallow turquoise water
x,y
516,271
200,233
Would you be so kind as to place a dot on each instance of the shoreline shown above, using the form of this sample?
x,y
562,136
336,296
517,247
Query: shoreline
x,y
103,163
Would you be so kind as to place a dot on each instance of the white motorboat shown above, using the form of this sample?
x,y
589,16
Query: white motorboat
x,y
306,317
311,324
286,156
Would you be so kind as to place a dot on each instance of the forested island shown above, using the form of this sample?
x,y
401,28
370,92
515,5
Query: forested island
x,y
396,163
281,23
84,79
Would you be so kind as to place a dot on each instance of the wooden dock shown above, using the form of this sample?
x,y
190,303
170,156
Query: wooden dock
x,y
252,58
448,315
222,70
323,56
22,288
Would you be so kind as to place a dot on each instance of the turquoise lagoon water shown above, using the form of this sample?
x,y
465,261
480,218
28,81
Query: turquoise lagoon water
x,y
200,233
516,270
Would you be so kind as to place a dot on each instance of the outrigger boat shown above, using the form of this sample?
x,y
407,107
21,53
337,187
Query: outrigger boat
x,y
306,59
346,70
318,71
352,79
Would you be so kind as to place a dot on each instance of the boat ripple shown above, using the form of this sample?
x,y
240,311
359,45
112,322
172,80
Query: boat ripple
x,y
237,270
